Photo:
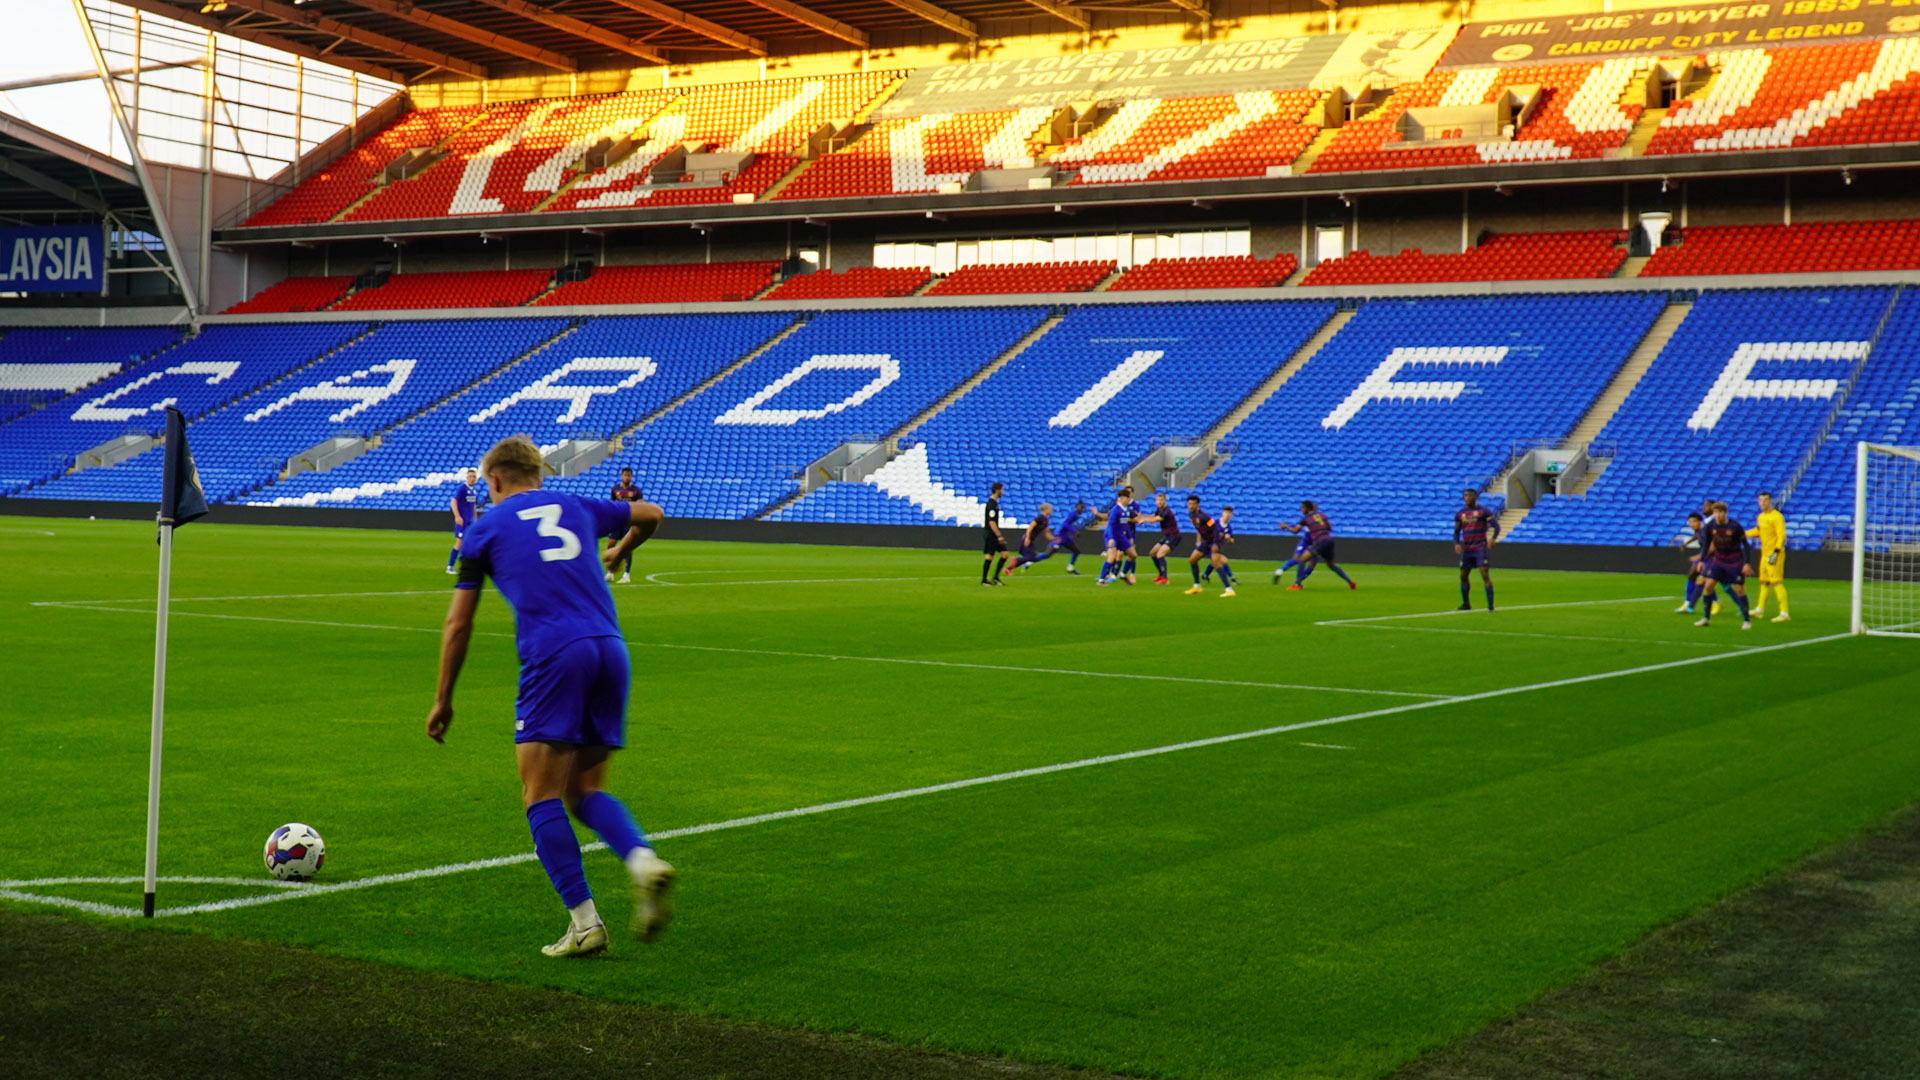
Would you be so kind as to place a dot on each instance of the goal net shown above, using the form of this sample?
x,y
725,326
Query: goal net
x,y
1886,540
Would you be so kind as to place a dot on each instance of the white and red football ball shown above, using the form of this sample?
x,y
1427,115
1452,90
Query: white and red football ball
x,y
295,852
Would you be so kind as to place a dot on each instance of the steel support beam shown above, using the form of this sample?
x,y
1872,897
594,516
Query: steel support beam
x,y
275,41
400,9
706,28
29,175
808,17
940,16
1065,13
343,31
579,28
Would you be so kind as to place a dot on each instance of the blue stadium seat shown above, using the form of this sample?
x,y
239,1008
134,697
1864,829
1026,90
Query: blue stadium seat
x,y
1728,410
198,375
1414,399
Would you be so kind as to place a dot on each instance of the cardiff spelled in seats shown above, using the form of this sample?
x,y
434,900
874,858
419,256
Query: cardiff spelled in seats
x,y
1080,405
365,388
1195,138
1728,410
355,174
1415,399
737,447
38,367
590,384
912,154
200,374
1825,95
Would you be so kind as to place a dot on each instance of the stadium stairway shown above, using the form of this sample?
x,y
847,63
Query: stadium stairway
x,y
752,355
892,441
1604,406
1278,379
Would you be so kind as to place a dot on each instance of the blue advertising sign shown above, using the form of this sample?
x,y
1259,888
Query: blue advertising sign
x,y
53,258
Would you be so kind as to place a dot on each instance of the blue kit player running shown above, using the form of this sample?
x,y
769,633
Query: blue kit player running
x,y
537,547
466,507
1723,561
1065,538
1222,536
1474,531
1302,554
624,491
1319,541
1120,556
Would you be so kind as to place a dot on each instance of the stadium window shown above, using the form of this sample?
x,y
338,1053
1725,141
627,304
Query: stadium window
x,y
1329,242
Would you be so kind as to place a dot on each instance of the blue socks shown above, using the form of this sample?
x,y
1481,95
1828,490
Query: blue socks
x,y
1489,597
453,556
1693,593
1288,565
1129,568
1160,564
559,850
612,822
1301,575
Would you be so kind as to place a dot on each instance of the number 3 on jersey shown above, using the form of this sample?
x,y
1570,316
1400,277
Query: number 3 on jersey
x,y
549,518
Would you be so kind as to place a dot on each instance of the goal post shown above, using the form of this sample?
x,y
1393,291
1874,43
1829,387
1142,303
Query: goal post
x,y
1886,540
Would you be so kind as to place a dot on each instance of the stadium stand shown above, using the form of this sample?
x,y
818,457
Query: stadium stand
x,y
922,154
452,289
859,281
1728,409
200,374
595,383
982,279
1506,257
372,384
1580,117
1082,404
546,149
766,120
355,174
1224,272
695,283
1810,95
295,294
1816,248
1415,399
38,367
736,449
1879,409
1195,138
440,189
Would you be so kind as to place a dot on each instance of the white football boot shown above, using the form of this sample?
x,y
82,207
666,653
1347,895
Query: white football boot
x,y
652,892
578,941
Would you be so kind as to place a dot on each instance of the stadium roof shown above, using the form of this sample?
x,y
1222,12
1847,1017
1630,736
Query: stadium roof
x,y
43,174
410,40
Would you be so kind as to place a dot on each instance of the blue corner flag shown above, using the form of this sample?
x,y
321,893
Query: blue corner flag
x,y
181,497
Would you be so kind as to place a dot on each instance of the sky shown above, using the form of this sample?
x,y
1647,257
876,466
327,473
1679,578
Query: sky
x,y
43,37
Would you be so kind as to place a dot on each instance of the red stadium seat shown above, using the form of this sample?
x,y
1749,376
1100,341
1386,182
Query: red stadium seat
x,y
1506,257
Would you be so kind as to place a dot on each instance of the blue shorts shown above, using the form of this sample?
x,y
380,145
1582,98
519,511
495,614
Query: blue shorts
x,y
1472,557
1728,574
577,695
460,530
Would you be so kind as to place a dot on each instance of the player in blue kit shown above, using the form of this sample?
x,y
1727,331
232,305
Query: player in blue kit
x,y
1065,538
1475,529
466,507
1319,540
1302,554
1222,536
624,491
1120,556
537,547
1694,545
1723,561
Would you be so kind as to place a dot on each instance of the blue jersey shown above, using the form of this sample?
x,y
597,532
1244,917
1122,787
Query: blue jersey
x,y
1302,547
1222,532
466,500
1069,527
1120,523
537,546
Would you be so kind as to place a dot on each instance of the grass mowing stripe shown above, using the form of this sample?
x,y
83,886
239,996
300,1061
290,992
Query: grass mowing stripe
x,y
1516,607
952,785
1544,637
807,655
448,591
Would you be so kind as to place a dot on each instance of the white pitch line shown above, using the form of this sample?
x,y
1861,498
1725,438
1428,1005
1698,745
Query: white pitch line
x,y
1694,643
1326,746
953,785
1519,607
449,590
810,655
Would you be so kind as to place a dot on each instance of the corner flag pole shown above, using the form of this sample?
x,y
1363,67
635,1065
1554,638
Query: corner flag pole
x,y
159,711
181,500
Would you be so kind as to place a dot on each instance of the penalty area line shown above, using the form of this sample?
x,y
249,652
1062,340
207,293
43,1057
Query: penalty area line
x,y
8,888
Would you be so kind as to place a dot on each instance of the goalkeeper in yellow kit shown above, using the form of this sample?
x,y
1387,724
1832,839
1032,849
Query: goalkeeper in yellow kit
x,y
1771,528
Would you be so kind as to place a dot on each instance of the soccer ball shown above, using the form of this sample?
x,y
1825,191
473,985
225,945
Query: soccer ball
x,y
294,852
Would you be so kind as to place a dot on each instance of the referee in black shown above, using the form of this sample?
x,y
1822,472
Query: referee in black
x,y
992,542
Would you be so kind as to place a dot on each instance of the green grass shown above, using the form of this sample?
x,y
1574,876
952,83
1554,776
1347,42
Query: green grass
x,y
1257,907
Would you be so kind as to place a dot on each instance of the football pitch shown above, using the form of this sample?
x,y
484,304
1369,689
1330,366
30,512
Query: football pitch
x,y
1282,834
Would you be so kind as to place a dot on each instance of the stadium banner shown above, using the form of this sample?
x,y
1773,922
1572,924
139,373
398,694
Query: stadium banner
x,y
1692,28
1220,67
53,258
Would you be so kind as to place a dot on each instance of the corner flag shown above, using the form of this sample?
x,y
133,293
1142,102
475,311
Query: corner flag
x,y
181,497
181,500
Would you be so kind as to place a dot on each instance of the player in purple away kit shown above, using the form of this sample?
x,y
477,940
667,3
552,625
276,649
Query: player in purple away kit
x,y
1169,541
624,491
1695,545
1474,531
537,547
1319,541
466,507
1037,536
1206,533
1723,561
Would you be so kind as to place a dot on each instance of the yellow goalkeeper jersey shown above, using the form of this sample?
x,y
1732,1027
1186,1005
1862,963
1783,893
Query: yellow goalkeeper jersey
x,y
1772,531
